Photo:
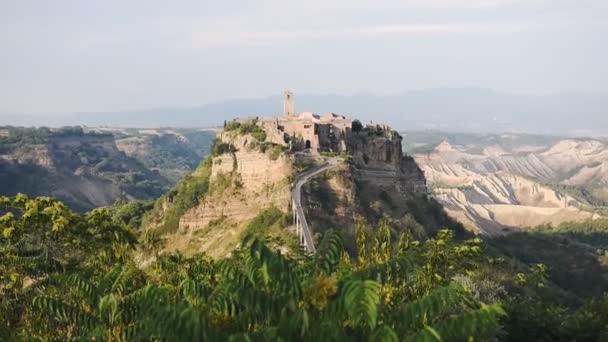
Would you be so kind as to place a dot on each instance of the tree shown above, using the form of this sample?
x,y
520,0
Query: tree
x,y
357,126
89,288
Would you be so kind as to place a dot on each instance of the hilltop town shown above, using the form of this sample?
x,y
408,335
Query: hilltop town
x,y
341,170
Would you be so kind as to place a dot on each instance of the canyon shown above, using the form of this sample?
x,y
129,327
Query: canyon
x,y
496,183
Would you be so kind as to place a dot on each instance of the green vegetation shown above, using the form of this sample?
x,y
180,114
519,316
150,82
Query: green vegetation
x,y
346,156
20,137
357,126
246,128
574,268
200,141
269,226
302,164
263,220
256,294
68,276
592,195
426,140
173,152
275,151
219,147
591,232
168,153
131,213
185,195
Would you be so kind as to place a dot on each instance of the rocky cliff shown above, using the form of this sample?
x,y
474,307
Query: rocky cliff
x,y
378,182
243,180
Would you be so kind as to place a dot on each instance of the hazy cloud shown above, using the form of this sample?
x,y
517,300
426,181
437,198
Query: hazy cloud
x,y
71,55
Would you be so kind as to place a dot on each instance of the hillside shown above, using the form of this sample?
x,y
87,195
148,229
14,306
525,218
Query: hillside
x,y
511,181
171,152
95,167
218,258
249,175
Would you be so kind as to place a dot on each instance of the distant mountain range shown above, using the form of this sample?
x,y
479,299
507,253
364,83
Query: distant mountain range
x,y
446,109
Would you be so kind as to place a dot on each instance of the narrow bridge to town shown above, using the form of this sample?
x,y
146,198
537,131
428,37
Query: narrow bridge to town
x,y
299,218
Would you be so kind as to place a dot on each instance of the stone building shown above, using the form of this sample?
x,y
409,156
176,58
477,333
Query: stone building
x,y
308,131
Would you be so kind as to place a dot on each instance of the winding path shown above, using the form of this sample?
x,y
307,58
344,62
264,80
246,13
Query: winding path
x,y
296,195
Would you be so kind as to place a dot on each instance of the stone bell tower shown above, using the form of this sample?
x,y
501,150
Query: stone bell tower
x,y
288,104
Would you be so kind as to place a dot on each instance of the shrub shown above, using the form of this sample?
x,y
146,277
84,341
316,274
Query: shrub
x,y
232,126
266,218
357,126
182,197
275,152
219,147
247,128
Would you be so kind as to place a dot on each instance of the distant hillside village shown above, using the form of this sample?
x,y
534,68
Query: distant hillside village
x,y
308,131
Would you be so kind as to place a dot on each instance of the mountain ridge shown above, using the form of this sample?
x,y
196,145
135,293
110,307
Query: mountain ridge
x,y
450,109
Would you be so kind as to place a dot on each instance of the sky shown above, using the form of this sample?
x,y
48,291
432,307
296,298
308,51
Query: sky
x,y
83,55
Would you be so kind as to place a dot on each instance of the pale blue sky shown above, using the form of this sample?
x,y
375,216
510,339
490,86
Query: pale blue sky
x,y
111,55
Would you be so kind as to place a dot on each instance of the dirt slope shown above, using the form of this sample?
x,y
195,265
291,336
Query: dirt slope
x,y
490,187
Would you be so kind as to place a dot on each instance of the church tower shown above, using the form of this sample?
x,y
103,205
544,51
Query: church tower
x,y
288,104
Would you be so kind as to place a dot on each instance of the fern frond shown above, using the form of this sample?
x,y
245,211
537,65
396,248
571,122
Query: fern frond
x,y
361,298
176,322
63,312
82,286
224,305
194,292
478,324
126,279
398,267
232,277
30,262
329,252
438,302
384,333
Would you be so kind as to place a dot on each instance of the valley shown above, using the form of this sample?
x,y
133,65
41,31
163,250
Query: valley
x,y
378,220
493,183
88,168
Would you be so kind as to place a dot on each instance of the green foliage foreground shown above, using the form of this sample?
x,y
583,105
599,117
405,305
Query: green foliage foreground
x,y
66,276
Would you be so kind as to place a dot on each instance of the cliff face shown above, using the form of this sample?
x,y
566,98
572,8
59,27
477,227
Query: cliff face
x,y
378,159
379,182
255,182
241,185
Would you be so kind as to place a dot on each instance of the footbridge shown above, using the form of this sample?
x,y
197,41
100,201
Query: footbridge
x,y
299,219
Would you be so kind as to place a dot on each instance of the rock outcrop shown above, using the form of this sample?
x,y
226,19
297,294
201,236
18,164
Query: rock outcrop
x,y
256,182
377,158
379,182
242,183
